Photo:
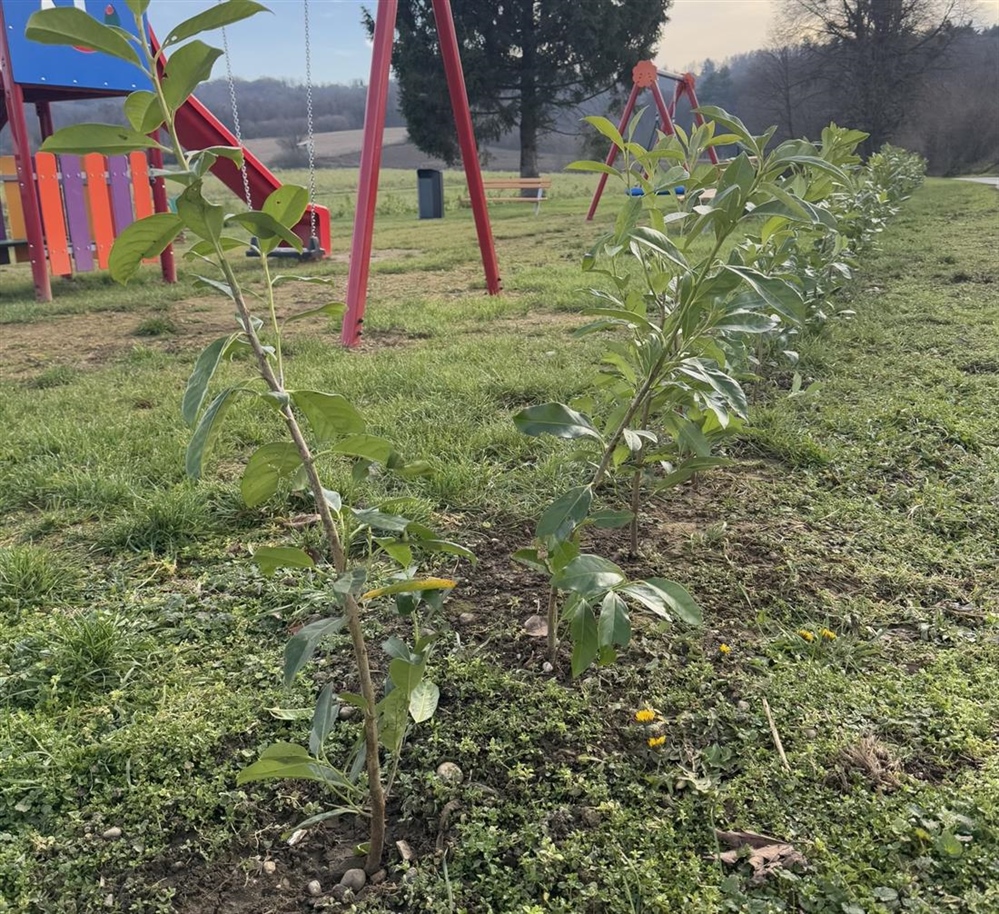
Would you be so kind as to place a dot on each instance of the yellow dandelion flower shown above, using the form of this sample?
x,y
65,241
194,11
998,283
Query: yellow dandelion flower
x,y
828,634
645,716
807,635
724,649
655,741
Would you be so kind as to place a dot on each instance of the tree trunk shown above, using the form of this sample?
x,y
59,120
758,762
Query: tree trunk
x,y
530,103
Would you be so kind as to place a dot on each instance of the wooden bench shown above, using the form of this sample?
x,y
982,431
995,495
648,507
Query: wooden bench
x,y
540,186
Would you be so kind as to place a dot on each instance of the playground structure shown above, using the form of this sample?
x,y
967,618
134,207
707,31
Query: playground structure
x,y
65,211
62,211
646,75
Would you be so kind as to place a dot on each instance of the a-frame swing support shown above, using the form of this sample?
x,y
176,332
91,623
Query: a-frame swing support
x,y
645,75
371,154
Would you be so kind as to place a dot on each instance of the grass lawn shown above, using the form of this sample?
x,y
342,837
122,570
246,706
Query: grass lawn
x,y
140,654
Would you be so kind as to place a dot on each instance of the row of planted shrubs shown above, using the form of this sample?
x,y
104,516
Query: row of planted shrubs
x,y
699,292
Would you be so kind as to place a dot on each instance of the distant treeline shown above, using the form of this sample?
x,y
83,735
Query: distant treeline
x,y
956,125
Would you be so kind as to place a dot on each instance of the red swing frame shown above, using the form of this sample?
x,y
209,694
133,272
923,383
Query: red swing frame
x,y
646,75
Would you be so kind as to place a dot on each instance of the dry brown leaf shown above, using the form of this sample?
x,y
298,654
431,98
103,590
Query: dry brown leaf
x,y
766,854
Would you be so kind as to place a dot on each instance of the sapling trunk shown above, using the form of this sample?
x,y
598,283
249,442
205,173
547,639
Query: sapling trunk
x,y
552,625
338,558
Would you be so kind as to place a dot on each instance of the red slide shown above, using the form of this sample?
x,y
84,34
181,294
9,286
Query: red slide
x,y
197,128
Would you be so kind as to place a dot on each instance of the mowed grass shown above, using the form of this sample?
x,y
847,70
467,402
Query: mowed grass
x,y
140,655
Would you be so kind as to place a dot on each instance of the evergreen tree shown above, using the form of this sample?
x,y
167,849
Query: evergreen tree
x,y
524,60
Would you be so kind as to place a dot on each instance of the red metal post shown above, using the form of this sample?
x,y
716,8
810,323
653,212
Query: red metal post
x,y
688,86
14,103
160,203
44,112
371,157
448,40
665,111
612,155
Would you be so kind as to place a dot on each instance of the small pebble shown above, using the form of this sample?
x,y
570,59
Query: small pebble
x,y
269,867
466,618
743,705
314,888
811,734
111,834
346,712
177,865
449,771
354,879
379,877
546,667
410,876
342,893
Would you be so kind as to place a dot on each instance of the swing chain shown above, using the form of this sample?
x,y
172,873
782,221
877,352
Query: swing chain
x,y
235,117
310,124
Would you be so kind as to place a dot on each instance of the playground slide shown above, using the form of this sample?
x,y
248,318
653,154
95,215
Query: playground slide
x,y
197,128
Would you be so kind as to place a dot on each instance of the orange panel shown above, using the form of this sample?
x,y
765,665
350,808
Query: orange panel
x,y
53,217
142,191
15,211
96,166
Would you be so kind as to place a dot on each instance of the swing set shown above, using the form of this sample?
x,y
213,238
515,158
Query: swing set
x,y
65,211
646,75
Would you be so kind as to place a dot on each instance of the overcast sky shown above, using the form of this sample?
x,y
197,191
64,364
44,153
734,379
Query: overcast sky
x,y
273,45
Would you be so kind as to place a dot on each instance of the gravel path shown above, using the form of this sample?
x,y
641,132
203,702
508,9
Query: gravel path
x,y
993,182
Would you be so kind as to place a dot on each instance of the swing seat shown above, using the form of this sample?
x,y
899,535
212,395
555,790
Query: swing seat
x,y
311,252
638,192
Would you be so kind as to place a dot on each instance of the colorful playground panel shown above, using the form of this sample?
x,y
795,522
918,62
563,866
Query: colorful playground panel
x,y
70,68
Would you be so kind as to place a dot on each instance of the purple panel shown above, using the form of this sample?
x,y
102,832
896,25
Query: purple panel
x,y
121,198
76,213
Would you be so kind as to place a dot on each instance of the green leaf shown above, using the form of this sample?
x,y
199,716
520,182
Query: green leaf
x,y
302,645
732,124
555,419
187,67
70,26
269,465
449,548
145,238
530,558
207,429
287,204
566,513
588,165
948,845
267,230
271,558
215,17
138,7
143,111
405,675
777,293
585,646
380,520
743,321
370,447
330,415
107,139
423,701
204,370
608,519
738,173
608,129
285,760
201,217
614,626
325,716
687,468
333,310
206,282
588,575
662,596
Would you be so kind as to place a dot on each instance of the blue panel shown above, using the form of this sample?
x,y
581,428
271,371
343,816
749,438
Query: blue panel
x,y
63,67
